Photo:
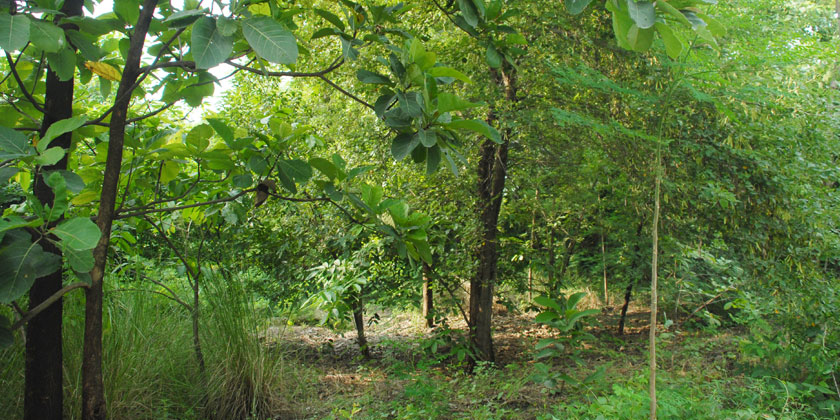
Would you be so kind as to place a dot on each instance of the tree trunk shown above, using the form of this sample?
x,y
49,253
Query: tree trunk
x,y
43,377
533,246
604,264
492,170
199,355
359,320
627,293
428,296
93,390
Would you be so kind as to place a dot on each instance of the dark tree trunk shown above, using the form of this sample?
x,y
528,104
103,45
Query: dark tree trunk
x,y
492,171
359,320
428,296
93,389
627,293
43,393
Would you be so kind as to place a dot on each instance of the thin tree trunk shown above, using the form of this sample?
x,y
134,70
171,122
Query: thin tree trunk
x,y
43,377
492,171
93,390
428,296
533,246
359,320
199,355
604,264
627,294
654,272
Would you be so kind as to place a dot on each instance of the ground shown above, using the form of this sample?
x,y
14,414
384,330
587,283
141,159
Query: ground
x,y
407,379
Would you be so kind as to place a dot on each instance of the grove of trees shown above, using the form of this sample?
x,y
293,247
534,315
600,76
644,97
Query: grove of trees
x,y
578,164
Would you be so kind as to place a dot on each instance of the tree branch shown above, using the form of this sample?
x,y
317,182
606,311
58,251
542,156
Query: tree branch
x,y
46,303
346,93
185,206
29,97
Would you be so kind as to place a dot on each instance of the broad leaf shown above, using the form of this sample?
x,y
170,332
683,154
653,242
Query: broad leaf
x,y
80,260
479,127
370,77
21,262
642,13
207,44
448,102
299,170
673,45
46,36
79,233
331,18
14,144
403,145
58,128
576,6
448,72
199,138
270,40
14,32
63,63
50,156
325,167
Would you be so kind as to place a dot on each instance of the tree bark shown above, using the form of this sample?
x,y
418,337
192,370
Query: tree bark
x,y
428,296
43,377
93,390
627,294
359,321
492,171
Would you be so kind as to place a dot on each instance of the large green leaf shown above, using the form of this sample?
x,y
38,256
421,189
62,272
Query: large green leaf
x,y
80,260
331,18
50,156
21,262
479,127
448,72
79,233
199,138
223,130
14,144
576,6
46,36
448,102
63,63
207,44
299,170
270,40
14,31
469,12
58,128
642,13
673,45
640,39
325,167
403,145
366,76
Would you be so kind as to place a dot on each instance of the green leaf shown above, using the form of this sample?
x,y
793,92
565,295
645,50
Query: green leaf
x,y
325,167
222,129
404,144
79,233
63,63
127,10
6,173
673,45
80,260
448,72
7,338
331,18
75,183
183,18
448,102
198,139
469,12
428,138
432,159
85,44
479,127
169,171
14,144
716,28
59,186
14,32
226,26
666,8
545,342
50,156
46,36
58,128
546,317
494,58
207,44
270,40
299,170
370,77
640,39
575,7
21,262
642,13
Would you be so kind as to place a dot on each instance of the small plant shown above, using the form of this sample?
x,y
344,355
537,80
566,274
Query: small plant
x,y
562,315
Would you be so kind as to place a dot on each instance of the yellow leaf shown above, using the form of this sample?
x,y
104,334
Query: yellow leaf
x,y
104,70
84,198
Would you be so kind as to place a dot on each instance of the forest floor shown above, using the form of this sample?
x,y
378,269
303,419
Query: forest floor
x,y
700,375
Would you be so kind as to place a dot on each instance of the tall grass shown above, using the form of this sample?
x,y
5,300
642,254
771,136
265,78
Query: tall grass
x,y
149,366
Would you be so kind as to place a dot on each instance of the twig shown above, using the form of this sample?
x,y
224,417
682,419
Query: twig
x,y
185,206
29,97
701,307
46,303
